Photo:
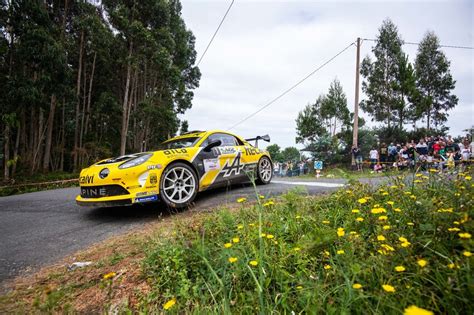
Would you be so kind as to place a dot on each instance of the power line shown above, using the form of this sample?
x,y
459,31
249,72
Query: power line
x,y
411,43
215,33
292,87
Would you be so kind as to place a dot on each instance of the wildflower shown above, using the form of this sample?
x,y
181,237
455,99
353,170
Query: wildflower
x,y
386,227
468,178
235,240
377,210
362,201
381,238
240,226
383,218
388,288
357,286
340,252
405,244
169,304
353,233
467,253
464,235
433,170
326,222
296,249
415,310
326,253
391,203
387,247
253,263
393,187
270,236
268,204
298,217
397,210
275,242
418,181
410,224
263,235
402,239
261,196
299,287
355,210
413,197
419,175
456,223
327,267
452,266
454,229
228,245
400,269
385,193
422,263
109,275
359,219
340,232
232,259
240,200
252,224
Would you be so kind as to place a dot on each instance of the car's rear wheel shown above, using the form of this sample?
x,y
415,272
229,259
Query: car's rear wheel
x,y
264,171
178,185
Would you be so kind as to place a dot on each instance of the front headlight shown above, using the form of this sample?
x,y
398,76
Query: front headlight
x,y
136,161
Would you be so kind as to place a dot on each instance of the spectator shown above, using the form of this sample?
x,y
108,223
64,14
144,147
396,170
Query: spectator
x,y
374,157
357,155
392,152
383,153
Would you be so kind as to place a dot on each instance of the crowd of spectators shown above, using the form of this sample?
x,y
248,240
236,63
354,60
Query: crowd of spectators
x,y
292,168
437,152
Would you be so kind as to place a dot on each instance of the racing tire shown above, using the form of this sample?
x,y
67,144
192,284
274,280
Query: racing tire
x,y
178,185
264,171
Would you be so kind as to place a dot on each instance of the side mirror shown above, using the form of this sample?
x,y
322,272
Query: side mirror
x,y
266,138
212,144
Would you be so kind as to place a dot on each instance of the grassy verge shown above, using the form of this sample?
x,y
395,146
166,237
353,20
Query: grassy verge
x,y
361,250
38,182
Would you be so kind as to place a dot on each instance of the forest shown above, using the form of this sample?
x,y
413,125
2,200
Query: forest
x,y
82,80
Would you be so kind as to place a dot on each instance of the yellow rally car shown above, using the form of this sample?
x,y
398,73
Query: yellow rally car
x,y
176,172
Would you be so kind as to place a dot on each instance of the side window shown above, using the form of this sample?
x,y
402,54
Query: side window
x,y
227,140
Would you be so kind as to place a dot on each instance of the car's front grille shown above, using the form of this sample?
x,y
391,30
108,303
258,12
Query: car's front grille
x,y
103,191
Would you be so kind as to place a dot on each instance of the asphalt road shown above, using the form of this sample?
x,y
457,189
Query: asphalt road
x,y
40,228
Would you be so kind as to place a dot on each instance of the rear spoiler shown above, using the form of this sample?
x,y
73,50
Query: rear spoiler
x,y
264,138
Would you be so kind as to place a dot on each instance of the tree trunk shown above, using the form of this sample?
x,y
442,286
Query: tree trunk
x,y
88,109
15,150
125,111
6,153
78,102
49,134
63,132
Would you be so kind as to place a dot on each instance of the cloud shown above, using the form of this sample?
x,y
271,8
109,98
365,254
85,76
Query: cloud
x,y
265,47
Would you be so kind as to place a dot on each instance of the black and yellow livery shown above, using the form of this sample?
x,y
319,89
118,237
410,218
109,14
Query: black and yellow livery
x,y
176,172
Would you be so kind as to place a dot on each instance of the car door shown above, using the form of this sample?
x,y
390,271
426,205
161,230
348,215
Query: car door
x,y
223,164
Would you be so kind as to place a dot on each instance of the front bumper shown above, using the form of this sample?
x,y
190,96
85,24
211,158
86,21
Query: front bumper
x,y
124,200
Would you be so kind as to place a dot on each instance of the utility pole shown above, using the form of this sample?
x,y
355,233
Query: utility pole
x,y
355,130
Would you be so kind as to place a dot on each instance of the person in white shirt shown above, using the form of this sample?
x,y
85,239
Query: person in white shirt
x,y
374,157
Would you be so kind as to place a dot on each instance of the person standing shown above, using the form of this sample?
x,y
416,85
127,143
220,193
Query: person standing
x,y
374,157
383,154
357,155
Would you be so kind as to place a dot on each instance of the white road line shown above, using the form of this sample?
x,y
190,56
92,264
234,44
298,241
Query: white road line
x,y
318,184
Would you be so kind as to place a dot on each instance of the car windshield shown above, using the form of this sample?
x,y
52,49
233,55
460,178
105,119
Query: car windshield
x,y
178,143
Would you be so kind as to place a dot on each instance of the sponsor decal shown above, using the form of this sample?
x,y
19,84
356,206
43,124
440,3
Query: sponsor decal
x,y
153,179
175,151
86,179
145,193
224,150
233,166
104,173
154,167
252,151
147,198
91,192
211,164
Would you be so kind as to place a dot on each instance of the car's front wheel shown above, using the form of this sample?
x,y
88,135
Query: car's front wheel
x,y
178,185
264,170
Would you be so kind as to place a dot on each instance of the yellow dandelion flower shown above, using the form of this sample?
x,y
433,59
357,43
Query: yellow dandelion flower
x,y
228,245
355,211
454,229
232,259
456,223
261,196
362,200
387,247
298,217
391,203
268,204
468,178
410,224
353,233
263,235
383,218
325,222
465,235
467,253
252,224
299,287
296,249
340,232
359,219
270,236
433,170
400,269
109,275
402,239
377,210
357,286
169,304
419,175
340,252
253,263
452,266
326,253
240,226
405,244
275,242
418,181
388,288
415,310
393,187
397,210
386,227
327,267
235,240
422,263
385,194
240,200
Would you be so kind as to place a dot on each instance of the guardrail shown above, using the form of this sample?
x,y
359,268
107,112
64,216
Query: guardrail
x,y
41,184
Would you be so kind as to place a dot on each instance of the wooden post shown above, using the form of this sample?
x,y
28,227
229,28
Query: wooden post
x,y
356,101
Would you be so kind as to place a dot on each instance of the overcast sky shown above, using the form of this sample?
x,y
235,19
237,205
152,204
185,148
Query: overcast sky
x,y
264,47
